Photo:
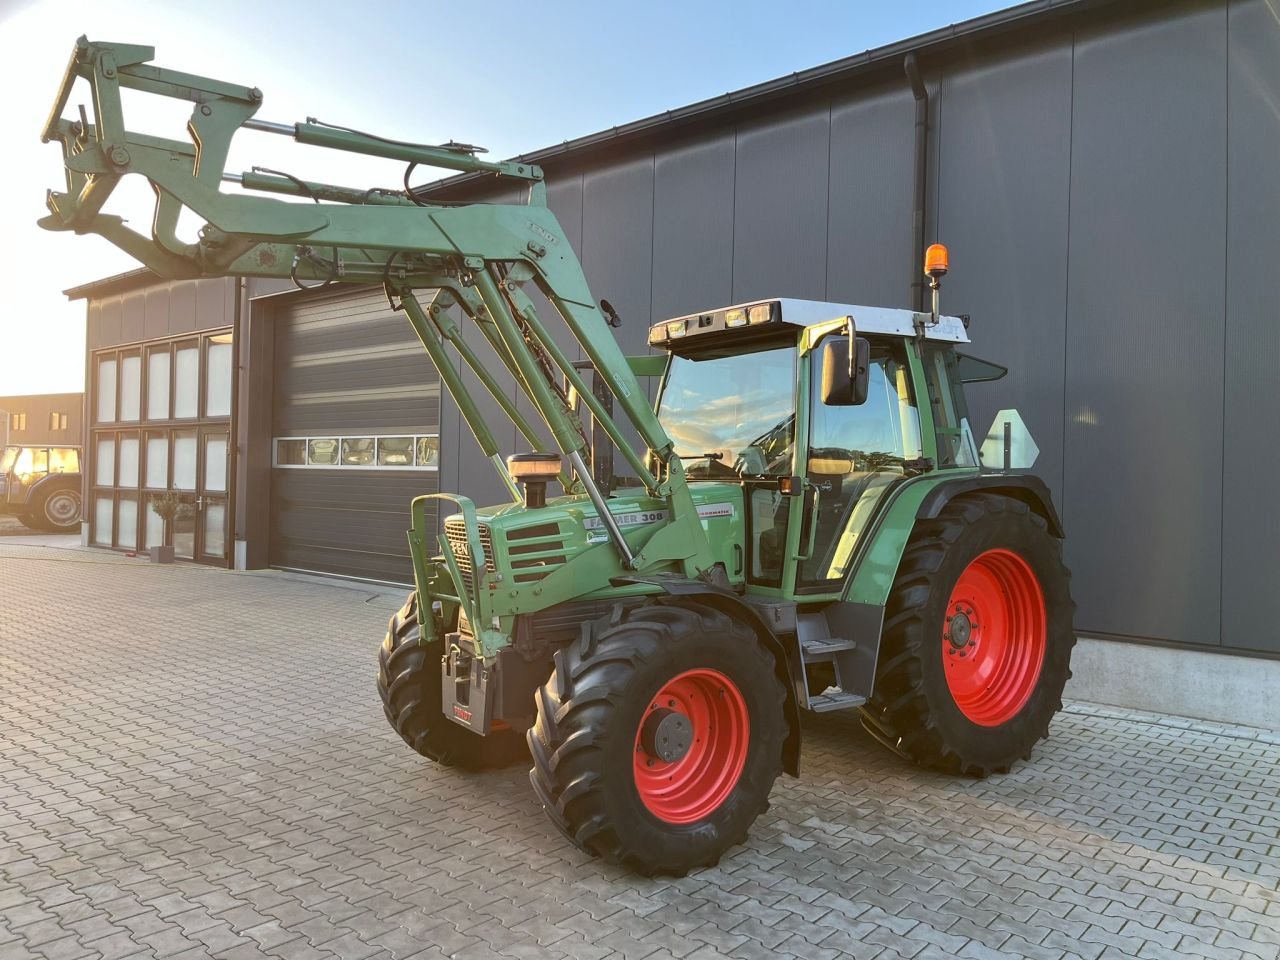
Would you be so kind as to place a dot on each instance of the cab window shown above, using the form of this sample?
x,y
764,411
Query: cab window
x,y
855,454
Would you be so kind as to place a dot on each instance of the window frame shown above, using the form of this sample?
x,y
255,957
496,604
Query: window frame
x,y
305,440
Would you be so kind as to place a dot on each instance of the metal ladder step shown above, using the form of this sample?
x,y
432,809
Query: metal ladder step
x,y
835,700
824,649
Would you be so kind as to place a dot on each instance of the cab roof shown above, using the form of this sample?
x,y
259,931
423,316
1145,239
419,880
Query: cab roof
x,y
805,313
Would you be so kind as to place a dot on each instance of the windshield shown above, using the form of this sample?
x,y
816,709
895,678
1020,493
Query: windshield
x,y
9,455
732,415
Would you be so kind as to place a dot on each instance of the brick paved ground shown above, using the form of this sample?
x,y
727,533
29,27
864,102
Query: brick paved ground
x,y
193,763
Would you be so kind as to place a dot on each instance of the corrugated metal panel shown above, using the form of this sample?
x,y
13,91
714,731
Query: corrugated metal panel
x,y
1145,327
693,227
352,524
1005,148
346,363
617,244
872,177
1251,457
780,207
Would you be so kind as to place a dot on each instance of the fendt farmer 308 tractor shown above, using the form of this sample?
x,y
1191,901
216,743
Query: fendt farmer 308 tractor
x,y
808,526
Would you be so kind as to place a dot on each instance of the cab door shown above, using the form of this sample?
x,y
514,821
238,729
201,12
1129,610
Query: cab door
x,y
853,457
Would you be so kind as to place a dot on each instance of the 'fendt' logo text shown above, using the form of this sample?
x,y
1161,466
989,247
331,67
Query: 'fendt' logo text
x,y
543,232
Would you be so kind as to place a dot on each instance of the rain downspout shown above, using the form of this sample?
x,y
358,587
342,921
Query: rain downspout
x,y
921,94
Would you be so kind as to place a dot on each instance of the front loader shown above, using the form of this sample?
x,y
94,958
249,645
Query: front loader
x,y
806,525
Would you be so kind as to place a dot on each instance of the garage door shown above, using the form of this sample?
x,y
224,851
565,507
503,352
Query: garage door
x,y
355,417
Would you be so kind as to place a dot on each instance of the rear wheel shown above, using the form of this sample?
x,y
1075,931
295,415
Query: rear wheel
x,y
659,736
57,509
977,641
409,684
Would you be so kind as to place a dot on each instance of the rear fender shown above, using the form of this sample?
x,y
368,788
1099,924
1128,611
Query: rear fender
x,y
1030,489
725,600
876,563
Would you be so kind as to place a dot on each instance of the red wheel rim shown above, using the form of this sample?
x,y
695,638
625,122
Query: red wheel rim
x,y
993,638
693,786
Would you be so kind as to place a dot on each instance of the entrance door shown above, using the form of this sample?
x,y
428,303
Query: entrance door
x,y
211,514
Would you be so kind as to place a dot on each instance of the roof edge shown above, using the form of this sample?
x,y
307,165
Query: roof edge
x,y
116,283
934,41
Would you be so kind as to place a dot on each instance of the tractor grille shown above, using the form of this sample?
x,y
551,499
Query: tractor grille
x,y
455,532
536,552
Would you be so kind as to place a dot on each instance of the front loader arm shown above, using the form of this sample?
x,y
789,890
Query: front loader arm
x,y
478,255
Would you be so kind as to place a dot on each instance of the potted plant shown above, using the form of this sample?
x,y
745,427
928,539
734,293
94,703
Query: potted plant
x,y
166,506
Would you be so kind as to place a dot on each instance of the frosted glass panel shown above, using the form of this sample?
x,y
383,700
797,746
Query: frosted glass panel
x,y
158,462
128,462
186,378
102,521
217,400
155,529
127,523
215,528
105,472
158,385
184,461
215,462
130,387
106,391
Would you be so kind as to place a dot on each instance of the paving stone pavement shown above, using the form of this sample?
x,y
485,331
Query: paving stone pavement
x,y
194,763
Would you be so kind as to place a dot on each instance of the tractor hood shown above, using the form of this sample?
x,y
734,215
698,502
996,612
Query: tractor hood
x,y
525,545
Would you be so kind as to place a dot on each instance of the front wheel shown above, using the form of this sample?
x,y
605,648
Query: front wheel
x,y
412,699
976,647
659,737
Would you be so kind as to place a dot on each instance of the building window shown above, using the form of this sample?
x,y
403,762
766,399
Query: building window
x,y
396,452
217,376
186,382
130,387
322,453
158,383
62,421
18,422
107,390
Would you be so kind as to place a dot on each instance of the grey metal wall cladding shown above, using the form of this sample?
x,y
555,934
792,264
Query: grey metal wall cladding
x,y
1251,462
1005,148
347,363
617,244
353,523
780,207
160,310
693,227
1145,326
872,179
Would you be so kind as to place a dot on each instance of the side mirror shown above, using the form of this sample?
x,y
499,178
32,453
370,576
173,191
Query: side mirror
x,y
844,383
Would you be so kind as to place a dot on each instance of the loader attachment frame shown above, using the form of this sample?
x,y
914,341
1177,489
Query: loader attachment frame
x,y
475,260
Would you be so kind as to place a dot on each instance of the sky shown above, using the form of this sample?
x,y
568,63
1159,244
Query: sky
x,y
425,71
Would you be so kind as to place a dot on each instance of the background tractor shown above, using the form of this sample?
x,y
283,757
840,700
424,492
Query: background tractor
x,y
805,524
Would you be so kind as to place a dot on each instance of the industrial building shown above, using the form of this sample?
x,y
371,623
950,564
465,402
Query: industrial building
x,y
1102,172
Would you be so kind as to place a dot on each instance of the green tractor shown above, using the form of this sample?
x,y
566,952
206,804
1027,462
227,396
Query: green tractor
x,y
808,522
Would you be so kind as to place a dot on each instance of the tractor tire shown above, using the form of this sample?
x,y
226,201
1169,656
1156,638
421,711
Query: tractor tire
x,y
977,639
658,737
56,509
409,685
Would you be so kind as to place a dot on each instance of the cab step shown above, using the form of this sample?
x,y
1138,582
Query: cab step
x,y
835,699
815,650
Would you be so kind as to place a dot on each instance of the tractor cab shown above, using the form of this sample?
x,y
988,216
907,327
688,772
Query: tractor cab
x,y
765,394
